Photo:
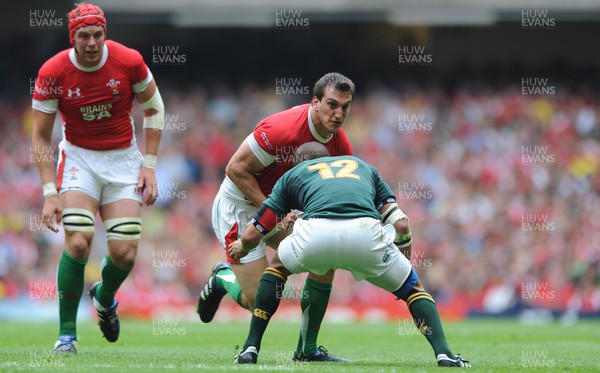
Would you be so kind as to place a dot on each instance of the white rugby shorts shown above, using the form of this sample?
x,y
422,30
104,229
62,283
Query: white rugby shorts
x,y
229,218
106,176
362,246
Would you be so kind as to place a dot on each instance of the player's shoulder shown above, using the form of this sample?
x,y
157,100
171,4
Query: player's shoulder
x,y
123,54
286,118
56,64
282,128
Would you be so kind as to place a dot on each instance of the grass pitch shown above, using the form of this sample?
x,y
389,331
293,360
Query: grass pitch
x,y
182,346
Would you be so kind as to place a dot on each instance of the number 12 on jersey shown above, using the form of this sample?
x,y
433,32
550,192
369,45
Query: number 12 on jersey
x,y
347,166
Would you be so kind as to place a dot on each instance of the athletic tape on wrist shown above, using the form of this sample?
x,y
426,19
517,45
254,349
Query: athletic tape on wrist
x,y
393,214
49,190
150,161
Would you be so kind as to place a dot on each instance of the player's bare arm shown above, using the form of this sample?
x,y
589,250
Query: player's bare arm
x,y
148,100
41,144
284,228
251,235
250,238
241,170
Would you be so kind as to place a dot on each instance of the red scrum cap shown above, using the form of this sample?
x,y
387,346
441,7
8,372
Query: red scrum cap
x,y
85,15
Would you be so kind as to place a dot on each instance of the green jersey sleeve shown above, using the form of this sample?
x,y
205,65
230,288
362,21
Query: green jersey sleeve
x,y
383,192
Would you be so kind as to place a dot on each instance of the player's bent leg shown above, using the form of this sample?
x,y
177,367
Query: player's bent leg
x,y
70,283
123,229
248,275
272,283
78,223
227,218
400,278
223,280
215,289
426,317
317,290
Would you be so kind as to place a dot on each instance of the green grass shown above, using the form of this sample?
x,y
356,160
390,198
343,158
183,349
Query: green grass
x,y
491,345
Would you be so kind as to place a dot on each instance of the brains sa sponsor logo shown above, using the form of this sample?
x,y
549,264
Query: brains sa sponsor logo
x,y
95,112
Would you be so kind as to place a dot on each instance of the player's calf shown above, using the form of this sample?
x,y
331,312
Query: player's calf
x,y
427,320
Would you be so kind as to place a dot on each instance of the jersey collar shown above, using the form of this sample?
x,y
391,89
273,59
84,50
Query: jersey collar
x,y
89,69
314,132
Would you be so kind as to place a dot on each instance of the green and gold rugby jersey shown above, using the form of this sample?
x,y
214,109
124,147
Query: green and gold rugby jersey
x,y
342,187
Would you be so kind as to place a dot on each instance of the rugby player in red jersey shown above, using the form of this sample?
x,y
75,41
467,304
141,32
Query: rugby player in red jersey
x,y
100,168
264,156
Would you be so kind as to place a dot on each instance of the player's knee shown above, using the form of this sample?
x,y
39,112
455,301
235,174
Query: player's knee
x,y
327,278
123,229
419,286
78,246
408,287
124,256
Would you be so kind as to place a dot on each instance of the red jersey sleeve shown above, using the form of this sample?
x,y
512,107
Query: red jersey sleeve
x,y
47,85
139,72
263,135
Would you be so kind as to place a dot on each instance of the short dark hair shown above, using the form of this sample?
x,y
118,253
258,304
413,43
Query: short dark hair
x,y
335,80
310,150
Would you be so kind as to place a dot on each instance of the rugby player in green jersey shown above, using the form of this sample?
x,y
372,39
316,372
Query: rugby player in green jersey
x,y
350,221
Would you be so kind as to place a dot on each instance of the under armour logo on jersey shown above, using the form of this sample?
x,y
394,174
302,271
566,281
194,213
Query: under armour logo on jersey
x,y
113,84
76,92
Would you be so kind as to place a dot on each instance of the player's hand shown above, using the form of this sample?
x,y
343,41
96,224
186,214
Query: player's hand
x,y
52,213
287,223
147,183
235,250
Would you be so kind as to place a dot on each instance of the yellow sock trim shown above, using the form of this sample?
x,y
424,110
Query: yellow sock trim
x,y
274,272
417,296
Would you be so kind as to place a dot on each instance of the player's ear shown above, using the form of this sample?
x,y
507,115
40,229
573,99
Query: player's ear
x,y
315,103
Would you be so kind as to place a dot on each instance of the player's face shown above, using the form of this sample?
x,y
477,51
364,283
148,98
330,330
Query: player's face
x,y
332,109
89,44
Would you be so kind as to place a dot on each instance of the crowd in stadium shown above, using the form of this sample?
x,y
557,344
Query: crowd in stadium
x,y
501,189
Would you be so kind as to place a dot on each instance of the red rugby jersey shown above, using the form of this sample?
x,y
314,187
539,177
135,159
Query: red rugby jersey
x,y
95,103
278,137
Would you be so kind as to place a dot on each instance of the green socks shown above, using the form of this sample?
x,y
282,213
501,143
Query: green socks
x,y
426,317
69,282
267,301
112,278
314,305
226,279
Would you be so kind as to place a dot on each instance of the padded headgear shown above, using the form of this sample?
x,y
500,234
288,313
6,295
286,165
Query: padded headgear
x,y
83,16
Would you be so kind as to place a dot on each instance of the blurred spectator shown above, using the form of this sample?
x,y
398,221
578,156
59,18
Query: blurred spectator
x,y
501,188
